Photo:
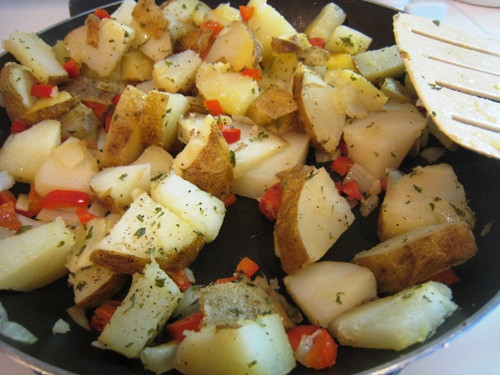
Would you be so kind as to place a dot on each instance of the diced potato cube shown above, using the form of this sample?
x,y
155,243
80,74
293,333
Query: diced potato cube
x,y
152,298
347,39
379,64
177,72
35,258
22,153
330,16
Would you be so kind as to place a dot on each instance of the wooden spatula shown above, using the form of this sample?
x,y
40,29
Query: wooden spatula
x,y
457,77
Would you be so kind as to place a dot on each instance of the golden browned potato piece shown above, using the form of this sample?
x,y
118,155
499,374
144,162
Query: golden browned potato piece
x,y
49,108
79,122
271,104
15,88
413,257
150,17
206,160
123,142
197,40
312,216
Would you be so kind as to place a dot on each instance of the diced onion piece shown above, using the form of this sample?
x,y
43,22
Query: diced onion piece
x,y
13,330
368,205
61,326
366,181
6,180
79,317
69,217
161,358
23,202
432,154
393,176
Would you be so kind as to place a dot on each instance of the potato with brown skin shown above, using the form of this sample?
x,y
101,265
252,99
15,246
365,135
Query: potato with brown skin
x,y
123,142
148,229
312,216
206,160
413,257
271,104
15,88
150,17
49,108
321,121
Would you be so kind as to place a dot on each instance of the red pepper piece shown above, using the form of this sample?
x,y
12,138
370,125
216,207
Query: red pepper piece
x,y
71,67
351,189
189,323
318,42
253,73
42,90
341,165
270,202
103,314
230,133
246,12
215,26
18,127
247,266
323,351
101,13
65,198
8,217
84,216
181,278
214,107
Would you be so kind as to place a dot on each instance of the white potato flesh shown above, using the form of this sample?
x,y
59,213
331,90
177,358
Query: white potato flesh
x,y
116,184
383,139
322,121
148,228
397,321
237,46
255,145
152,298
35,258
158,158
70,166
347,39
177,72
31,51
158,49
200,209
323,214
23,153
428,195
234,91
330,16
254,347
325,290
114,40
266,22
254,182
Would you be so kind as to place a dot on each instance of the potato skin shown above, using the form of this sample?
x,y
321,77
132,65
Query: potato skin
x,y
409,261
129,264
286,235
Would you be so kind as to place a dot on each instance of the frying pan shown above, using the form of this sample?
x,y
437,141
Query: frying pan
x,y
246,232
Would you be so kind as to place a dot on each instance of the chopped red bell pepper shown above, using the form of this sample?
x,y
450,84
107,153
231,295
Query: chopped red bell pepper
x,y
318,346
351,189
189,323
99,109
341,165
229,199
42,90
71,67
446,277
247,266
18,127
84,215
7,196
383,183
65,198
246,12
224,280
101,13
214,107
8,217
115,99
230,133
103,314
318,42
213,25
181,278
270,202
252,73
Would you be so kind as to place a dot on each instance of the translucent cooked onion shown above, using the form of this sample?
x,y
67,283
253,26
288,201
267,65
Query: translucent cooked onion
x,y
79,317
13,330
61,326
368,205
433,154
366,181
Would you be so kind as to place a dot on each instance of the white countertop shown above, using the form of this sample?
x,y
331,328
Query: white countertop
x,y
476,351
